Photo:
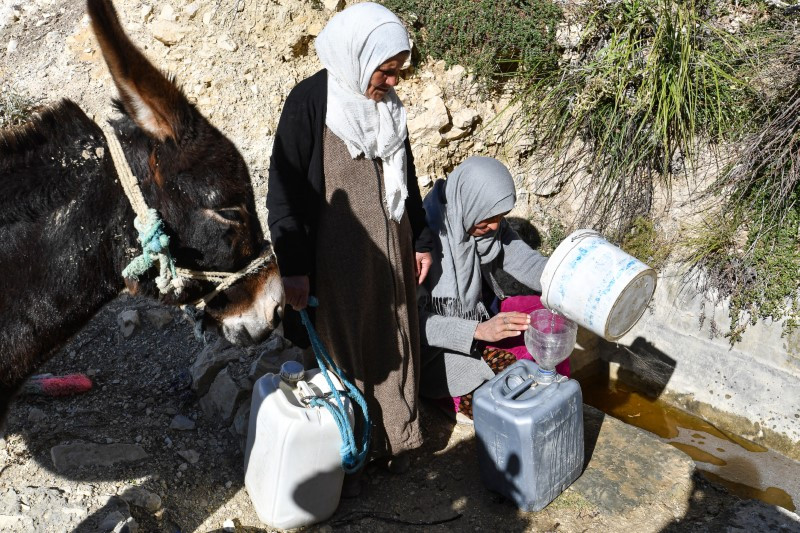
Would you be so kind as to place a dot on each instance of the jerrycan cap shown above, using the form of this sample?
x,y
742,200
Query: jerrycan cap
x,y
292,372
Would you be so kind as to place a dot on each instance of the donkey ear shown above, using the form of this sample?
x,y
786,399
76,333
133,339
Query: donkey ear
x,y
153,101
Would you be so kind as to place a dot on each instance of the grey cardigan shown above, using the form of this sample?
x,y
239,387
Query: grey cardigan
x,y
442,337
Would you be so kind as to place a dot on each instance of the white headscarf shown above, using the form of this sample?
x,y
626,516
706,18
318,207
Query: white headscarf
x,y
351,47
477,189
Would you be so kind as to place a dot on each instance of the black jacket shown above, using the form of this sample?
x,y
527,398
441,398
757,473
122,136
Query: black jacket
x,y
297,182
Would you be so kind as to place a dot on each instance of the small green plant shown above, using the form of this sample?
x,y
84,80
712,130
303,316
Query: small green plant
x,y
14,107
755,269
493,39
556,232
653,78
644,243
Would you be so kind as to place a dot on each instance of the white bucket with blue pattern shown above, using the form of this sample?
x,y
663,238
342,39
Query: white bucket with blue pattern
x,y
597,285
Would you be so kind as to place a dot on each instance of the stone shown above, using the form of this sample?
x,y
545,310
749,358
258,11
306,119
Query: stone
x,y
225,42
140,497
211,360
12,45
128,526
190,456
454,134
465,118
455,75
167,32
67,457
274,345
182,423
333,5
36,415
158,317
241,423
128,321
145,12
222,399
430,91
270,362
191,10
630,468
111,520
168,13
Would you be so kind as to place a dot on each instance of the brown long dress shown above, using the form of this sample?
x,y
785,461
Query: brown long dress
x,y
366,288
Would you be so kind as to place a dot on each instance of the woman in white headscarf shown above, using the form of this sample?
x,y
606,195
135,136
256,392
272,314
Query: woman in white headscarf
x,y
458,321
346,217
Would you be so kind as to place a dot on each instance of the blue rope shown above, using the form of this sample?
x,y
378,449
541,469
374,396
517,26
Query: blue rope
x,y
352,458
154,241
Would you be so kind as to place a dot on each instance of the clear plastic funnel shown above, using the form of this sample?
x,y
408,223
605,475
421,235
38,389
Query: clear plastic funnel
x,y
549,339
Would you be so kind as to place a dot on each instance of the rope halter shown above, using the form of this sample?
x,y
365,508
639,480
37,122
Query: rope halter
x,y
155,241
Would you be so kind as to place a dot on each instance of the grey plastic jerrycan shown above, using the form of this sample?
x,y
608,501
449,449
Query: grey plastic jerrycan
x,y
530,436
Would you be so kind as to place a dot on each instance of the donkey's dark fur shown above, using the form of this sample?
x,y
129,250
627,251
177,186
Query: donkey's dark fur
x,y
66,227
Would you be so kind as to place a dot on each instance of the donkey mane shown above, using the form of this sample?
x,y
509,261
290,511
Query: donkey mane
x,y
54,144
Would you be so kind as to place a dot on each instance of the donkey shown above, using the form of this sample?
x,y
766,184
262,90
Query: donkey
x,y
67,228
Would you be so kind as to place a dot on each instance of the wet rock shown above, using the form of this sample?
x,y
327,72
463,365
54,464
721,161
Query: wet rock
x,y
182,423
211,360
142,498
222,399
68,457
630,468
128,322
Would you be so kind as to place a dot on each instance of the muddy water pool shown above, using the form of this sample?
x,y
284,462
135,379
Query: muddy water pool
x,y
746,469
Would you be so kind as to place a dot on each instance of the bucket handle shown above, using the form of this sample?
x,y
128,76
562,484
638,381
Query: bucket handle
x,y
574,238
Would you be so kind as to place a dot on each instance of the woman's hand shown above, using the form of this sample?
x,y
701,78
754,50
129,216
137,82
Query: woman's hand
x,y
296,289
423,265
502,326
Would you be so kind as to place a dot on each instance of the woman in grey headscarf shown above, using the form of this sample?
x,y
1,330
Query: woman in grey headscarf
x,y
346,217
466,212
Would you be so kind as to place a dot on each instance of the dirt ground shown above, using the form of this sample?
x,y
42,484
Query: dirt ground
x,y
192,480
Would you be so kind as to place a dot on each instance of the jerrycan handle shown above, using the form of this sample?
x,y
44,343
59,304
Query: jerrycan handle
x,y
520,388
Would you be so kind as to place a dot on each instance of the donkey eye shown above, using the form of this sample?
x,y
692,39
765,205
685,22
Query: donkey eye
x,y
228,215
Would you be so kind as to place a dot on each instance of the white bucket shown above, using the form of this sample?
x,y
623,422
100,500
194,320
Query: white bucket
x,y
594,283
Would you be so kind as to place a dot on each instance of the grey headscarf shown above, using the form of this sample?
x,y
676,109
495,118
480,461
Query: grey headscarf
x,y
479,188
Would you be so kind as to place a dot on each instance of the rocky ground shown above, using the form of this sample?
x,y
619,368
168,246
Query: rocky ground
x,y
156,445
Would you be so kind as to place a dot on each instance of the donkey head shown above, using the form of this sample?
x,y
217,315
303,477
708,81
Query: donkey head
x,y
198,182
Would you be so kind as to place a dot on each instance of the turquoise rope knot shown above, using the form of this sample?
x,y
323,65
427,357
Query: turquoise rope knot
x,y
353,458
155,247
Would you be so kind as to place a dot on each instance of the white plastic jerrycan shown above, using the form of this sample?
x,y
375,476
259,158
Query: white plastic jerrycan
x,y
293,467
